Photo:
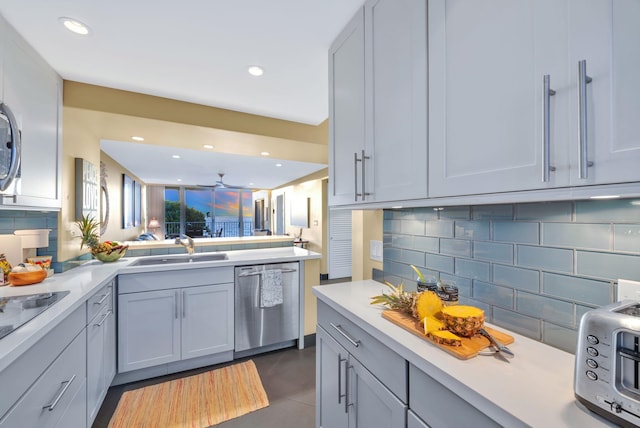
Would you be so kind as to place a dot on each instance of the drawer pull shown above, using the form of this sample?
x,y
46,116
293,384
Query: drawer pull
x,y
104,318
340,395
339,329
55,401
101,301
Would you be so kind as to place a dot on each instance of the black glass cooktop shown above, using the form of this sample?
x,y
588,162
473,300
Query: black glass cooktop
x,y
17,310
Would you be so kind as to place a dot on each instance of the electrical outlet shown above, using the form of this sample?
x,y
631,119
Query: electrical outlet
x,y
375,250
628,289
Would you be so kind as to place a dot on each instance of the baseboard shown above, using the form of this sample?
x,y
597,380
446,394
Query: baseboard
x,y
310,340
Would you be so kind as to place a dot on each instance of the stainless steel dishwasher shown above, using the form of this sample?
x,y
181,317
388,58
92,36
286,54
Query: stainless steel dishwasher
x,y
266,322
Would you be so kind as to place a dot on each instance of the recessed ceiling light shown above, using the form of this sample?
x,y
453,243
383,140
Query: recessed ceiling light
x,y
179,179
265,153
251,184
137,138
176,156
278,164
74,25
208,146
255,70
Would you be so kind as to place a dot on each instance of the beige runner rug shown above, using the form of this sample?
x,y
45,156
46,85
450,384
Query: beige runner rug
x,y
195,402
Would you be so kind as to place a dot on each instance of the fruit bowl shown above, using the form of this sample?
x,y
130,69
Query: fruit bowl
x,y
27,278
115,254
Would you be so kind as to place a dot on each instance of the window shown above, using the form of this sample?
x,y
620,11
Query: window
x,y
199,212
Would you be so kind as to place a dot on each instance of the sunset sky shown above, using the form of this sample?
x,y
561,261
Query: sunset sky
x,y
226,201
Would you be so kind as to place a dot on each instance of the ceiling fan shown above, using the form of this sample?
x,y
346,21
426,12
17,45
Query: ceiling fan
x,y
219,184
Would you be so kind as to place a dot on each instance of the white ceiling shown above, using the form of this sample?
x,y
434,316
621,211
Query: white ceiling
x,y
195,51
197,167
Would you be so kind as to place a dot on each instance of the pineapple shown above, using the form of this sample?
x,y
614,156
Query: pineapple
x,y
88,232
398,299
432,324
427,304
463,320
445,337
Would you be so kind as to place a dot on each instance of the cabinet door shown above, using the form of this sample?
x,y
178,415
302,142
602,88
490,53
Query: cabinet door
x,y
207,320
396,67
346,112
486,66
32,90
605,33
371,404
413,421
148,329
96,382
331,360
110,350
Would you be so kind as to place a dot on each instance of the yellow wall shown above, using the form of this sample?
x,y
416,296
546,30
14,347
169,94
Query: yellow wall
x,y
80,141
114,231
366,226
309,189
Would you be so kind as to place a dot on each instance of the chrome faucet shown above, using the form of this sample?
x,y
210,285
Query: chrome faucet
x,y
190,246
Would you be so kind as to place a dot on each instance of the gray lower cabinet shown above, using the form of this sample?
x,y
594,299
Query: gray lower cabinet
x,y
413,421
359,381
101,348
48,382
349,395
439,407
169,324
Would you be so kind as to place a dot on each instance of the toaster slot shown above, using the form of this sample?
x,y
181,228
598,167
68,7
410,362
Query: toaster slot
x,y
628,362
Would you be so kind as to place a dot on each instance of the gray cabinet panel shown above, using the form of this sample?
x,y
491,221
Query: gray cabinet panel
x,y
413,421
439,407
331,360
388,366
148,331
24,371
373,404
47,400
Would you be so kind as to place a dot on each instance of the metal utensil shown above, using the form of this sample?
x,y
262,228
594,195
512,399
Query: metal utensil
x,y
502,350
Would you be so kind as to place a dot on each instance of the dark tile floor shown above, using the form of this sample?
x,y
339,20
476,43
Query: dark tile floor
x,y
288,377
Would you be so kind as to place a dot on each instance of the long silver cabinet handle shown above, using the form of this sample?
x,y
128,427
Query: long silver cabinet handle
x,y
583,80
55,401
339,329
346,389
364,186
547,93
175,305
355,176
340,394
184,304
101,301
104,318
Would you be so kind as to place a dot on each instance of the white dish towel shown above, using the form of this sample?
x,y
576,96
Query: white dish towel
x,y
271,289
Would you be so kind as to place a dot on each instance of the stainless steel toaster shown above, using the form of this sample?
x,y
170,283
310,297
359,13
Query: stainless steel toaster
x,y
607,368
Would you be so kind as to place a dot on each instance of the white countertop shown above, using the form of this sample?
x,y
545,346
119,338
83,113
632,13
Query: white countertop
x,y
535,388
84,281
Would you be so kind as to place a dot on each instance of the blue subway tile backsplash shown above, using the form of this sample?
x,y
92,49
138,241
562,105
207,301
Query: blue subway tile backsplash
x,y
534,268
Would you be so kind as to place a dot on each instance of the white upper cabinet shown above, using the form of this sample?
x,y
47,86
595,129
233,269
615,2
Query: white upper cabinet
x,y
346,111
605,35
494,127
486,65
33,91
396,75
378,105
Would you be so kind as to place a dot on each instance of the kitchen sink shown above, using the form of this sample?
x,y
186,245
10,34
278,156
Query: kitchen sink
x,y
186,258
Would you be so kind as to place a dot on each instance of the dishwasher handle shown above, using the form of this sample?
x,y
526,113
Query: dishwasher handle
x,y
260,272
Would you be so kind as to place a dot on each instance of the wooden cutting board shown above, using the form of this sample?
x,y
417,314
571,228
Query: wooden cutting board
x,y
470,345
